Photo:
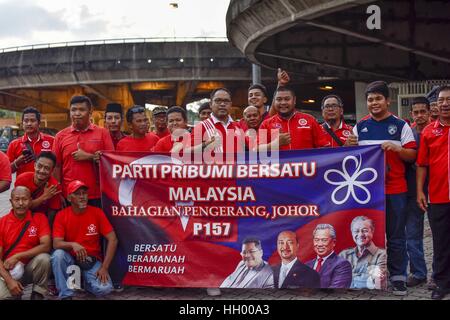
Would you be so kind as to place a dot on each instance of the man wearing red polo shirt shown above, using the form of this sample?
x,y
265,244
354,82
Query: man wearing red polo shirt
x,y
24,246
434,158
293,130
218,135
337,131
44,189
140,139
5,172
23,150
77,148
76,239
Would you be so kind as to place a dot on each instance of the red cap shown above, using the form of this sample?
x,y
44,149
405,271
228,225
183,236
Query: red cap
x,y
75,185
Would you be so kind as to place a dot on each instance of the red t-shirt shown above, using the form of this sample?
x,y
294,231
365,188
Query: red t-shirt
x,y
163,134
44,142
306,133
84,229
434,153
115,140
138,144
342,133
10,227
27,180
164,145
5,168
230,135
90,140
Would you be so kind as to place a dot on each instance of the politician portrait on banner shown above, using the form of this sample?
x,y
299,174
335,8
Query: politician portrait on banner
x,y
246,223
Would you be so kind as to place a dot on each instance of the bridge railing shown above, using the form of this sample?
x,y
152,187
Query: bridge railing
x,y
111,41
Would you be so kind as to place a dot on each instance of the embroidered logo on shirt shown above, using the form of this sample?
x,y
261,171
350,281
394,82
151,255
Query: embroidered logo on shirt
x,y
92,230
32,232
345,133
437,132
277,125
392,129
364,130
302,122
45,144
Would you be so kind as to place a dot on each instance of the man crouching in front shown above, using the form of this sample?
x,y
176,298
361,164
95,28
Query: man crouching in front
x,y
24,246
77,232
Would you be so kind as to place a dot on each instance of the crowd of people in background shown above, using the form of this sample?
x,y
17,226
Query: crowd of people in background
x,y
56,196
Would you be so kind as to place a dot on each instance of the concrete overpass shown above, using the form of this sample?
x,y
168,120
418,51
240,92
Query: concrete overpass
x,y
325,41
324,38
130,71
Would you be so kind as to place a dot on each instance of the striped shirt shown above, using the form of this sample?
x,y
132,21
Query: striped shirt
x,y
392,129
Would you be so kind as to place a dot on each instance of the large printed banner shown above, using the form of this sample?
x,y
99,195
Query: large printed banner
x,y
315,218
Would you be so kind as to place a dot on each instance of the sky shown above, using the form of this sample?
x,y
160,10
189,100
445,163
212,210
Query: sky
x,y
28,22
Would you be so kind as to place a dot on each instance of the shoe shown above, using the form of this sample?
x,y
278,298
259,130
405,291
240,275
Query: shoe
x,y
399,288
413,281
36,296
431,284
213,292
439,293
118,288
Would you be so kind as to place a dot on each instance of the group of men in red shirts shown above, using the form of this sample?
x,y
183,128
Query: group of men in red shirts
x,y
72,159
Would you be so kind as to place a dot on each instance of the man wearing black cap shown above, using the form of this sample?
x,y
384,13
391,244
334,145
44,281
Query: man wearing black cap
x,y
432,98
396,138
113,121
159,115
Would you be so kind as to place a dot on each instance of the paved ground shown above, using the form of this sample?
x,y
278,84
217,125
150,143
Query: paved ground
x,y
416,293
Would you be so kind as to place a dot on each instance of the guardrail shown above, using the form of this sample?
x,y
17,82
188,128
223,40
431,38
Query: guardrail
x,y
111,41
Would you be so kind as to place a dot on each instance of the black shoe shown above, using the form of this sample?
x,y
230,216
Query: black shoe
x,y
118,288
438,293
431,284
36,296
399,288
413,281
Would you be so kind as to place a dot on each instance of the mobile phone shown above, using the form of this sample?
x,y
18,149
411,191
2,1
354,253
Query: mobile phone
x,y
26,153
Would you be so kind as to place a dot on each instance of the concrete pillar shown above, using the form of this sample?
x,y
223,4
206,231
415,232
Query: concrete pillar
x,y
256,74
360,100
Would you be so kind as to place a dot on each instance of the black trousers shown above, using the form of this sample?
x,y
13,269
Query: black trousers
x,y
440,227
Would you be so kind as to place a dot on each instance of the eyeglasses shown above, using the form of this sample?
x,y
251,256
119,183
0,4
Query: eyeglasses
x,y
331,106
220,101
249,252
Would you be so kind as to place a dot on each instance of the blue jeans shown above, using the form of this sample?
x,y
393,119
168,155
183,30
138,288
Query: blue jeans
x,y
61,260
414,239
397,258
